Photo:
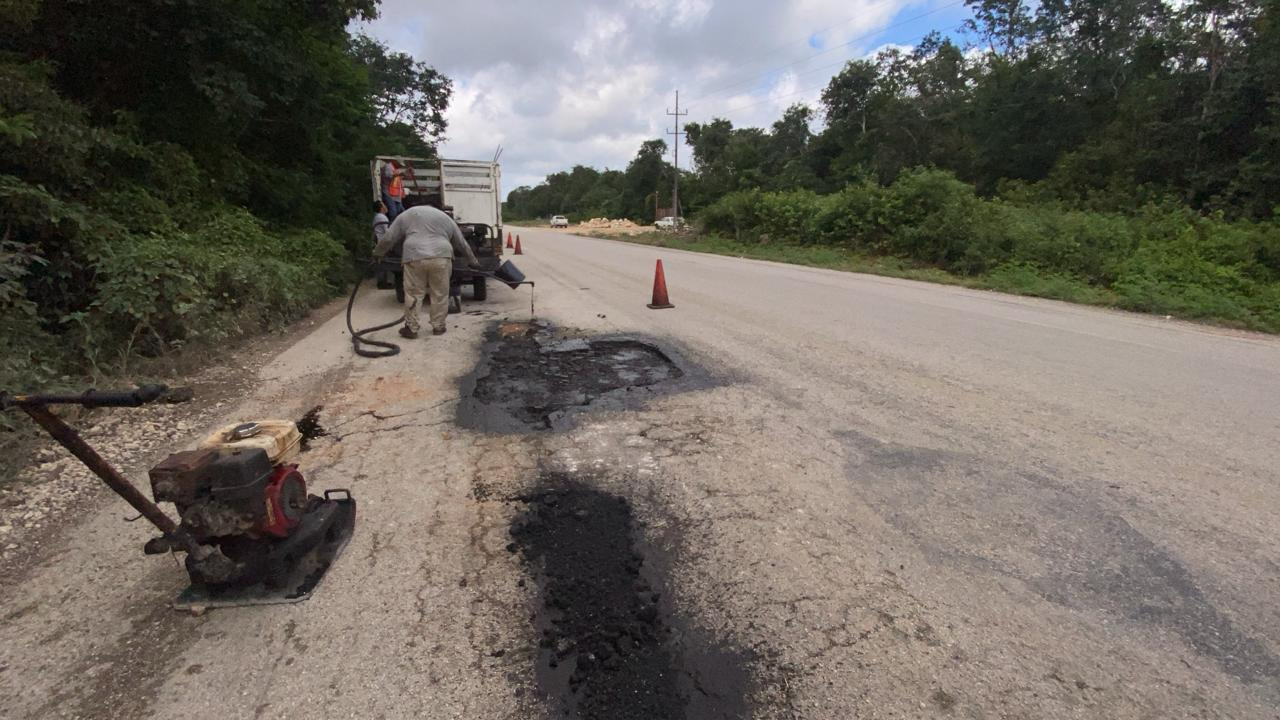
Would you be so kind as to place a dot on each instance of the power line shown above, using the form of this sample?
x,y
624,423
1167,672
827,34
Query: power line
x,y
772,98
800,75
829,50
940,116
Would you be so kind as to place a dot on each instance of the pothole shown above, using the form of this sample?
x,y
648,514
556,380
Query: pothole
x,y
610,645
530,377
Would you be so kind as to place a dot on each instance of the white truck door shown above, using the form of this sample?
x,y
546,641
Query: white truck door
x,y
471,187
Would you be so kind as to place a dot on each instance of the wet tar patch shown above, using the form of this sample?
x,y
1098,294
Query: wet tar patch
x,y
310,428
606,643
530,377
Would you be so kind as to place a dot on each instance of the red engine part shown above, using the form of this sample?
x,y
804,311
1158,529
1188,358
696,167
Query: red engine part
x,y
286,501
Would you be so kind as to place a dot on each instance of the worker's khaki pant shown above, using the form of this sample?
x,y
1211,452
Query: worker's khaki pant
x,y
427,280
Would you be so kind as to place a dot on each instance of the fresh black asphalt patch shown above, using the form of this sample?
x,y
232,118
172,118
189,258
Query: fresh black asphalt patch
x,y
610,644
531,378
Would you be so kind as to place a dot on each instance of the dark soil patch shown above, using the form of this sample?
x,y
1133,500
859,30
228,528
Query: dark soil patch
x,y
530,377
608,648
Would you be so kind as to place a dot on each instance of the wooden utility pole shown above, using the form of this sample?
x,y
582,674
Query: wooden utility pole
x,y
675,187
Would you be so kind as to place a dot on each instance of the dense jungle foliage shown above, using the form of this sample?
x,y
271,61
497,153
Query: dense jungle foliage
x,y
178,172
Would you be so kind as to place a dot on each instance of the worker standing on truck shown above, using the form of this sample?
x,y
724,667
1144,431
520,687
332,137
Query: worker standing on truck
x,y
392,188
429,238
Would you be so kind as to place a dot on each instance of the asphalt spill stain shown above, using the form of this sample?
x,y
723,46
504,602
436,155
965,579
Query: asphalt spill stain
x,y
310,428
608,648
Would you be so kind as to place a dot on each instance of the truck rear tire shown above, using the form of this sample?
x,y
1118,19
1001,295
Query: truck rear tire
x,y
400,287
479,291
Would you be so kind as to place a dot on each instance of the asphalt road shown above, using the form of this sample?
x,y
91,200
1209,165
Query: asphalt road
x,y
857,497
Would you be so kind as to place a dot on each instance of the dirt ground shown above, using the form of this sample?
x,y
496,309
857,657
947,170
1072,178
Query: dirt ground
x,y
607,230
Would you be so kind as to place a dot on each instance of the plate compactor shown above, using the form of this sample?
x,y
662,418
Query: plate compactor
x,y
251,533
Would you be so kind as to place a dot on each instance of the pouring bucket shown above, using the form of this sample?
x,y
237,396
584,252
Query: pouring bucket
x,y
509,274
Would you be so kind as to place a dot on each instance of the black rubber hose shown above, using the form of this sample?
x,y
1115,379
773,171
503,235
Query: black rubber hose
x,y
137,397
358,338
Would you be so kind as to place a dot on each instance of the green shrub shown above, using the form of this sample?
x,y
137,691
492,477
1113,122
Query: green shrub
x,y
789,216
29,350
1171,275
1024,279
736,215
1086,245
109,246
227,276
858,217
933,216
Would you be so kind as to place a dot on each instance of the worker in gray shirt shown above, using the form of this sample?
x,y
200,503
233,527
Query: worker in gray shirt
x,y
429,238
380,221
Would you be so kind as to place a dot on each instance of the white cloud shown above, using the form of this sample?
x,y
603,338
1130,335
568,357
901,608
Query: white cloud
x,y
681,13
602,30
872,53
557,83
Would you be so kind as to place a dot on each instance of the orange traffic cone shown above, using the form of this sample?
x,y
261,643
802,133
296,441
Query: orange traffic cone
x,y
660,300
518,251
509,246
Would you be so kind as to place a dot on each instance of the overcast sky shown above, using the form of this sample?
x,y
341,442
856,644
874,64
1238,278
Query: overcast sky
x,y
560,83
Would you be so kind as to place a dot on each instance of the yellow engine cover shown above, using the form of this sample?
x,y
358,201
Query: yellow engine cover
x,y
280,438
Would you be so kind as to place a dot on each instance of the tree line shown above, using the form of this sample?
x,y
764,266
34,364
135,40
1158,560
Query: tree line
x,y
584,192
1131,146
185,171
1104,104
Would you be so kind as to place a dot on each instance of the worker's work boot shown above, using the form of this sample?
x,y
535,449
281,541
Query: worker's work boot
x,y
405,332
437,331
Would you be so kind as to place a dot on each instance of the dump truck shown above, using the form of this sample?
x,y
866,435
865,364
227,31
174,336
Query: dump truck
x,y
470,191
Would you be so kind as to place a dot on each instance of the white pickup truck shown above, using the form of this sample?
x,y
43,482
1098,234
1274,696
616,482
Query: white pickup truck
x,y
669,223
559,221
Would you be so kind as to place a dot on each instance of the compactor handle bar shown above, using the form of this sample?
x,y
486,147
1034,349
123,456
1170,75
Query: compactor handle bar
x,y
137,397
35,406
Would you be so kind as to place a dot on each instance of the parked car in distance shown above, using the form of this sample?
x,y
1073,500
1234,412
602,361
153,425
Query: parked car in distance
x,y
669,223
559,221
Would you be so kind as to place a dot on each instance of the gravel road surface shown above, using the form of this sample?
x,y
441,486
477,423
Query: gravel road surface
x,y
797,494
